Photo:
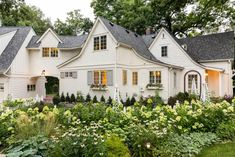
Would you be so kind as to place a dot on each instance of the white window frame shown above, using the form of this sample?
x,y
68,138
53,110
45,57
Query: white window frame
x,y
100,42
154,79
31,87
164,51
50,51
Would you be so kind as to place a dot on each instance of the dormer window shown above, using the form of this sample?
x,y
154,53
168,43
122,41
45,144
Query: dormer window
x,y
100,43
164,51
49,52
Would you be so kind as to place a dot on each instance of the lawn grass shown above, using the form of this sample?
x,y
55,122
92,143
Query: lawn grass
x,y
219,150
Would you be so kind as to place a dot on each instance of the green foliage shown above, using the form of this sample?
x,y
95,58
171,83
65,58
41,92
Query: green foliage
x,y
95,99
102,99
67,98
79,142
181,97
52,85
226,130
56,99
74,24
132,100
72,99
62,98
138,15
34,146
185,144
128,102
110,101
80,97
17,13
88,98
115,147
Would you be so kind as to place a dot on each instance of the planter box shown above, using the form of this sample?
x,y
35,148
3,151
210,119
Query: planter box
x,y
154,88
98,89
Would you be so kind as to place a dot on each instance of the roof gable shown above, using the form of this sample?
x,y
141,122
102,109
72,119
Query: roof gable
x,y
49,30
13,46
211,47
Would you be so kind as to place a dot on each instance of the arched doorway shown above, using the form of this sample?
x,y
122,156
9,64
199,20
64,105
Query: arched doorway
x,y
52,85
188,77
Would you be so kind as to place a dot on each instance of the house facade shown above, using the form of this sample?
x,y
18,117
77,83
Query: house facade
x,y
112,60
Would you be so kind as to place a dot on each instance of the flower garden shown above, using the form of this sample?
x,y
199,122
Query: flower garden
x,y
99,129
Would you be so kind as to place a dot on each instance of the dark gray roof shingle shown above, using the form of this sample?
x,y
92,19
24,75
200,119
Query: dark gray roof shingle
x,y
131,39
11,50
72,41
210,47
67,41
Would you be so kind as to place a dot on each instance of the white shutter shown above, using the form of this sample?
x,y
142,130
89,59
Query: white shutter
x,y
62,74
110,77
89,77
74,75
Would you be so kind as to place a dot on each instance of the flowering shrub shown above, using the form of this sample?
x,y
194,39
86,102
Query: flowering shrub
x,y
84,129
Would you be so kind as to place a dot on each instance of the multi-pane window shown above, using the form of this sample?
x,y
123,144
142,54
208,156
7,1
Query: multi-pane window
x,y
155,77
103,75
103,42
31,88
164,51
49,52
1,87
96,43
100,43
192,77
135,78
45,52
100,77
71,74
54,52
124,77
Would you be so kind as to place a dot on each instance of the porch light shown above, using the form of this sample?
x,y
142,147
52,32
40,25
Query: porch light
x,y
206,74
43,73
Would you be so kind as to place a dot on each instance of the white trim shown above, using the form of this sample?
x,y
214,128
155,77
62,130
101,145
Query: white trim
x,y
47,31
85,44
186,54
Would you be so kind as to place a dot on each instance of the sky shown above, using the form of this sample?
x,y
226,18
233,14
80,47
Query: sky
x,y
54,9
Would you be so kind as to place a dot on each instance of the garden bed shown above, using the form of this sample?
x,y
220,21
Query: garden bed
x,y
100,129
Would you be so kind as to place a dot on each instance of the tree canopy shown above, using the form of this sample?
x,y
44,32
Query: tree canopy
x,y
185,17
74,24
17,13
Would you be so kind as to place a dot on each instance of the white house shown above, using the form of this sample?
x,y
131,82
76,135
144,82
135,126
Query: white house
x,y
113,58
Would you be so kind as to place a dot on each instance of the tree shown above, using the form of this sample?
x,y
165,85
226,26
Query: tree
x,y
74,24
62,98
95,99
67,98
17,13
73,99
185,17
102,99
88,98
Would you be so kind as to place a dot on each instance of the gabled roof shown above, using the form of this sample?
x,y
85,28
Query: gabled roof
x,y
129,38
11,50
210,47
44,34
218,46
67,41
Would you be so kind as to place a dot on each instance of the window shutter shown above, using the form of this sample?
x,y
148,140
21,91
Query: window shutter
x,y
74,75
110,77
62,75
89,77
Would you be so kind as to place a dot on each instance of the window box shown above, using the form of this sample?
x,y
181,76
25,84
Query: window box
x,y
154,86
98,87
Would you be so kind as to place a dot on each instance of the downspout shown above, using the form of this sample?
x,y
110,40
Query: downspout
x,y
169,81
115,67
